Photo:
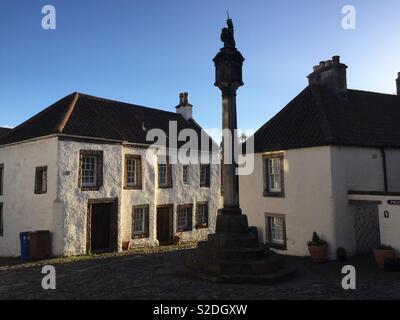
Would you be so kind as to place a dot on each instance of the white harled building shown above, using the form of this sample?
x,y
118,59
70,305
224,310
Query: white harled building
x,y
84,170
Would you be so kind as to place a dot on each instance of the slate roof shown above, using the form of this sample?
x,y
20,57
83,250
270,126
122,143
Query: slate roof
x,y
87,116
4,132
317,118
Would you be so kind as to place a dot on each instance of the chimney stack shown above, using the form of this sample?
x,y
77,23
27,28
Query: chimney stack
x,y
184,107
331,73
398,83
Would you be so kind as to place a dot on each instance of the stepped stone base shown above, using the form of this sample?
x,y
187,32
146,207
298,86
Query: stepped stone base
x,y
233,255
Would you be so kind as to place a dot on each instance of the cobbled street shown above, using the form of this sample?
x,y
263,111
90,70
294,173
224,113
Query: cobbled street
x,y
150,274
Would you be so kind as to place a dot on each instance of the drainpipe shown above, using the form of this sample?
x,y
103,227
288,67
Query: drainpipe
x,y
385,183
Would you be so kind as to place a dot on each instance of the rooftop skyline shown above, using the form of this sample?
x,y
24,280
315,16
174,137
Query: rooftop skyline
x,y
146,52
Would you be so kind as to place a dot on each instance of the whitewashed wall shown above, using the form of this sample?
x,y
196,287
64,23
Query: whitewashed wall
x,y
22,209
307,204
74,201
317,181
352,169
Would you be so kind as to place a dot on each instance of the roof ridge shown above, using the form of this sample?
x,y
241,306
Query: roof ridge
x,y
325,126
68,113
125,103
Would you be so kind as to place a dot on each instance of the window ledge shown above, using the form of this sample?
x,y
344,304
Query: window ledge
x,y
202,226
90,188
277,246
274,194
143,236
132,187
40,192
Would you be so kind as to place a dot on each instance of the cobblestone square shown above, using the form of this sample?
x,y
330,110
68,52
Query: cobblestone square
x,y
149,273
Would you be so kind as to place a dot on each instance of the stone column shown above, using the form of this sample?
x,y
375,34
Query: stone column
x,y
228,78
232,254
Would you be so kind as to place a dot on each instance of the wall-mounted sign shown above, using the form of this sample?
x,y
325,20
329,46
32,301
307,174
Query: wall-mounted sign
x,y
394,202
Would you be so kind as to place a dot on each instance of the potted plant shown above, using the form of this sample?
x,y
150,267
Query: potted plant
x,y
318,249
381,253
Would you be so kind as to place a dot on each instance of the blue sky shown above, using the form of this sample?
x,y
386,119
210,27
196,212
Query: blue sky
x,y
147,51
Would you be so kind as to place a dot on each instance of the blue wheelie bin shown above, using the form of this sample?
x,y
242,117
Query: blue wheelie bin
x,y
25,238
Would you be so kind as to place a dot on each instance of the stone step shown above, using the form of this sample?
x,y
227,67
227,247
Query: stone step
x,y
232,241
270,278
234,254
203,264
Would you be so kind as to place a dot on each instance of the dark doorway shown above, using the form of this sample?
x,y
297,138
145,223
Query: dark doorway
x,y
102,226
164,225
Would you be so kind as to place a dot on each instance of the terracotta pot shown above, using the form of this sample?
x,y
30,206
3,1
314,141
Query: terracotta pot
x,y
126,245
177,240
381,254
319,254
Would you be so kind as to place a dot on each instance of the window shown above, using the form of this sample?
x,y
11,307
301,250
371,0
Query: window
x,y
1,178
133,172
1,220
276,231
184,218
202,215
41,180
185,174
273,175
164,174
204,175
140,222
91,170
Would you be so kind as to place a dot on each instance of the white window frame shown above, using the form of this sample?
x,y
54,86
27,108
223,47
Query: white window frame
x,y
185,174
203,175
139,211
165,174
131,172
277,230
182,215
274,175
203,214
84,170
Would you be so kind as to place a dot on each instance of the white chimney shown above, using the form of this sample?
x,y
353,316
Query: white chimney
x,y
184,108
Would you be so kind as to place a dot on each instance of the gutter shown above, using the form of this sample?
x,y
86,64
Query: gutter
x,y
385,182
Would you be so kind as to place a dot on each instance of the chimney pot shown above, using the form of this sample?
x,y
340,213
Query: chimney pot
x,y
332,74
184,108
336,59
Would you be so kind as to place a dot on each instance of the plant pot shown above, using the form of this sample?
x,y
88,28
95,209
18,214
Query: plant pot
x,y
381,255
177,240
126,245
319,254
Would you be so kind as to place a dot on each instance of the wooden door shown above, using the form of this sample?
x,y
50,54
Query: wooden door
x,y
164,225
367,228
100,226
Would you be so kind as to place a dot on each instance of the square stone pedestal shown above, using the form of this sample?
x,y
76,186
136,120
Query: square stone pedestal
x,y
233,255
